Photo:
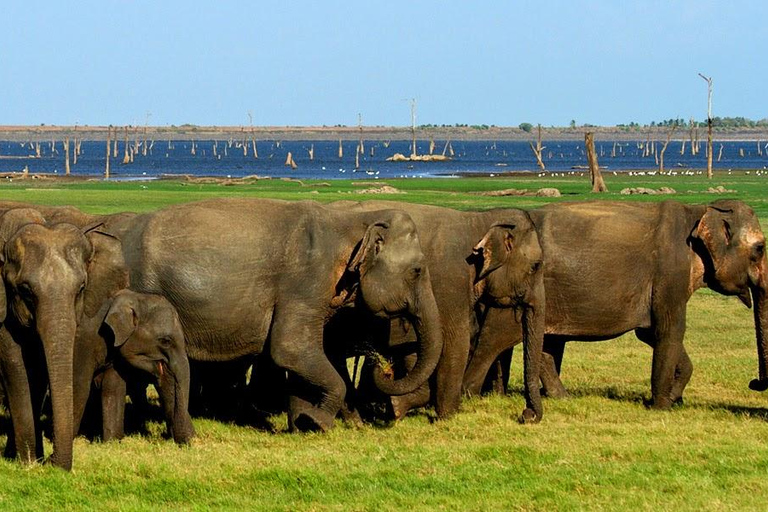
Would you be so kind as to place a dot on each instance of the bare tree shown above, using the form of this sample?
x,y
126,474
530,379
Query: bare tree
x,y
537,149
109,136
709,124
664,147
598,185
66,156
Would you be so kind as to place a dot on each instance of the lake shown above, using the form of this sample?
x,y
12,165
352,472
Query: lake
x,y
227,158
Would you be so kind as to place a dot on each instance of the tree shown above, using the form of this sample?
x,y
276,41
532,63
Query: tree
x,y
709,124
598,185
664,147
537,149
526,127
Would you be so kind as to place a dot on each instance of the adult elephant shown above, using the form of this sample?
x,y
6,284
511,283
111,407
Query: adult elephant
x,y
480,261
613,267
44,292
247,275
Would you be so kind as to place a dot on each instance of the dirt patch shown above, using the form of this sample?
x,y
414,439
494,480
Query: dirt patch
x,y
386,189
647,191
542,192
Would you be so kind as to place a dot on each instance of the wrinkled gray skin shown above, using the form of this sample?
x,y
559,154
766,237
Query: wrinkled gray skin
x,y
45,270
480,262
133,331
615,267
241,272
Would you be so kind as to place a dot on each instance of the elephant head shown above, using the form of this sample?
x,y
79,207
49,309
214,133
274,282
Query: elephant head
x,y
732,246
45,270
392,279
148,334
507,259
508,273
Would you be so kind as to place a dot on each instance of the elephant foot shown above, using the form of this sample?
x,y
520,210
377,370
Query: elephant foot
x,y
315,420
554,390
399,407
678,402
528,417
64,463
664,404
351,418
758,384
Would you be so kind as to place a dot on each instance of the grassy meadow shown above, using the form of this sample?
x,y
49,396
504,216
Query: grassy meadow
x,y
601,449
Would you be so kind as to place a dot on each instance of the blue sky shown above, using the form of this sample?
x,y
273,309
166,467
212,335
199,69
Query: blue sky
x,y
323,62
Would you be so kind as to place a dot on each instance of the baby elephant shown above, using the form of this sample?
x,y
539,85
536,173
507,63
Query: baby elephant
x,y
133,331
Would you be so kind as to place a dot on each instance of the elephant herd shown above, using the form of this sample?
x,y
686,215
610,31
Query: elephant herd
x,y
95,306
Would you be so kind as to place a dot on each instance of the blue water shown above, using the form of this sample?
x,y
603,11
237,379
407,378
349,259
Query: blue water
x,y
484,157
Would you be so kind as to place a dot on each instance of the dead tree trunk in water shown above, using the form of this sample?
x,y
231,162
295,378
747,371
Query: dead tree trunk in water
x,y
66,156
537,150
109,136
598,185
709,124
693,138
664,148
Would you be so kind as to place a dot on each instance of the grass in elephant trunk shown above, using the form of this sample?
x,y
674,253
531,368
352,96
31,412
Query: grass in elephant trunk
x,y
601,449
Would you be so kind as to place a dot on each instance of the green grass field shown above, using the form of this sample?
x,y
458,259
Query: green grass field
x,y
601,449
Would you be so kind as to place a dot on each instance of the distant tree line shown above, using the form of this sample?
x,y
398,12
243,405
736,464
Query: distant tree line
x,y
719,122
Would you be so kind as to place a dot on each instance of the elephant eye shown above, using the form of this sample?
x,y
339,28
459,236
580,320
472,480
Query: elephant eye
x,y
758,250
24,289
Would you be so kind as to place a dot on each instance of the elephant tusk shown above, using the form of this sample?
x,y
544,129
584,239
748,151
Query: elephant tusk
x,y
160,368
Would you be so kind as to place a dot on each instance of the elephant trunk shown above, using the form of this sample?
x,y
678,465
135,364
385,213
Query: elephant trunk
x,y
174,393
425,317
56,329
533,342
759,295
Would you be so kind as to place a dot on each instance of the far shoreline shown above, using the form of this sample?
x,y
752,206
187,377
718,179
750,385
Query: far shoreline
x,y
374,133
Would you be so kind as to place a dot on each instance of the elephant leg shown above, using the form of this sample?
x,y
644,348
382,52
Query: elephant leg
x,y
404,403
551,361
683,372
450,370
81,390
486,369
497,379
268,388
349,412
683,369
667,352
23,443
296,346
485,372
113,391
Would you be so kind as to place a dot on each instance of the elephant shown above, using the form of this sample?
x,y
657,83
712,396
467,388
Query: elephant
x,y
249,275
133,331
611,268
480,261
46,288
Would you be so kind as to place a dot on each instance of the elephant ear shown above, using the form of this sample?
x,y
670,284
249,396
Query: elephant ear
x,y
107,271
122,318
369,247
493,250
714,231
10,222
